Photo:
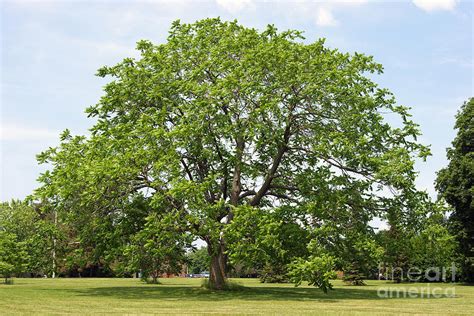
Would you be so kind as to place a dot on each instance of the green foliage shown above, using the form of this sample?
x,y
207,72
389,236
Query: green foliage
x,y
101,238
13,255
360,258
223,118
455,183
159,247
34,229
6,269
316,270
276,273
266,241
428,244
396,244
353,275
198,260
350,240
76,260
434,245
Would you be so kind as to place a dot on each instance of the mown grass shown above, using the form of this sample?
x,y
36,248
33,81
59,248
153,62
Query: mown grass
x,y
186,296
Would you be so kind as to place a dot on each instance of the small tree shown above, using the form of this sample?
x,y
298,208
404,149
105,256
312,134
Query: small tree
x,y
397,247
13,255
317,270
434,246
267,241
351,241
360,258
160,247
34,229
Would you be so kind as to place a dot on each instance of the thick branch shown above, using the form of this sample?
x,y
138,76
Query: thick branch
x,y
186,168
236,183
268,193
247,193
273,169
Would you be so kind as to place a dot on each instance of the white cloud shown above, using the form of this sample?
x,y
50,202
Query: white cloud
x,y
234,6
324,17
325,10
15,132
435,5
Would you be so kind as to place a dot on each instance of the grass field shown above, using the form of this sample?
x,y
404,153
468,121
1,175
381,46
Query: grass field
x,y
185,296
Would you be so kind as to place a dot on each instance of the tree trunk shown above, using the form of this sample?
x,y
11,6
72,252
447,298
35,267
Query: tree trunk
x,y
154,277
218,266
54,245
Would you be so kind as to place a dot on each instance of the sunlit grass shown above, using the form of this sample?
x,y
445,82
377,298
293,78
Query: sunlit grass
x,y
186,296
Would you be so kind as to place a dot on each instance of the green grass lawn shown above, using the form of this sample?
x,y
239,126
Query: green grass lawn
x,y
185,296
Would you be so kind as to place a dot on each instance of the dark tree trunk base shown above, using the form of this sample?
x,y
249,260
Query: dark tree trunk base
x,y
217,272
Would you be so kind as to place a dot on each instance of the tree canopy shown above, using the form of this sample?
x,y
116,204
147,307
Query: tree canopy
x,y
455,184
222,120
13,255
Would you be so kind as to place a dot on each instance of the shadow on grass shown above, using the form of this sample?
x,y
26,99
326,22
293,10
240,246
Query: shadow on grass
x,y
466,284
244,293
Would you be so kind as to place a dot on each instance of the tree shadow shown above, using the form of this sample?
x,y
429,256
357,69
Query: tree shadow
x,y
466,284
245,293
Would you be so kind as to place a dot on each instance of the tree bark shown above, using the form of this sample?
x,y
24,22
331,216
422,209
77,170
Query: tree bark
x,y
282,149
217,271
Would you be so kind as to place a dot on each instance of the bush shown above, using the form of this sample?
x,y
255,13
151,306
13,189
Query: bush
x,y
317,271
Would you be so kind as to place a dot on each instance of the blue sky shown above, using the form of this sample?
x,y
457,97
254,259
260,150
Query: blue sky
x,y
50,51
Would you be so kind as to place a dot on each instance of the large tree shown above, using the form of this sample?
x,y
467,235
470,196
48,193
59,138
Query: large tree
x,y
455,184
222,118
